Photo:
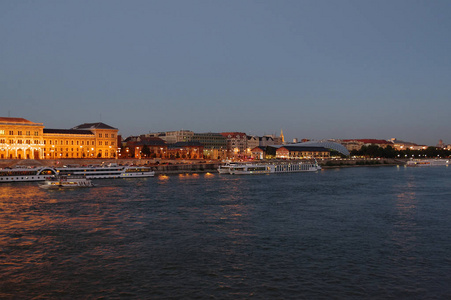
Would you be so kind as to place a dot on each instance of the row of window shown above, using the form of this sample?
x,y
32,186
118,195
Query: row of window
x,y
82,143
61,142
3,141
71,154
106,135
67,149
19,132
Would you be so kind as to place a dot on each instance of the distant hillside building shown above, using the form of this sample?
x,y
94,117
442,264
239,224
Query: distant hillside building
x,y
357,144
401,145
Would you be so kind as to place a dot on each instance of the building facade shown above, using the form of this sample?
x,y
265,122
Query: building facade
x,y
23,139
67,143
172,137
302,152
236,144
215,144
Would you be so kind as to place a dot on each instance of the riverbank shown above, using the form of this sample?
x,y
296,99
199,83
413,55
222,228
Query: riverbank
x,y
186,166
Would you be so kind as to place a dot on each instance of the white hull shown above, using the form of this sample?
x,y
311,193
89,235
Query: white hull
x,y
110,171
427,162
26,174
91,172
64,182
248,169
225,169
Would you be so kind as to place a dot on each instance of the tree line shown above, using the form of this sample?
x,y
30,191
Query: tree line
x,y
390,152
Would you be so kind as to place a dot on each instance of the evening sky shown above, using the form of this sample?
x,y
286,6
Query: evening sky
x,y
316,69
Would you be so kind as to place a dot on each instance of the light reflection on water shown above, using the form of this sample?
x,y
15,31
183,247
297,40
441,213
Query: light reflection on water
x,y
343,233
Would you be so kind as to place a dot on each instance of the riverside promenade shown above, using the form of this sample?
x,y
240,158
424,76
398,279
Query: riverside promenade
x,y
187,166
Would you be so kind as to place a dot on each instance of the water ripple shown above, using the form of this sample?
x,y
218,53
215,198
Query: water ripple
x,y
348,233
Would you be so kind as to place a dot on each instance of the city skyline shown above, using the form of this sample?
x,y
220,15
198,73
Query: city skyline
x,y
317,70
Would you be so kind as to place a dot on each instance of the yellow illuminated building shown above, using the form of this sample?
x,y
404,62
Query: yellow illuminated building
x,y
23,139
20,138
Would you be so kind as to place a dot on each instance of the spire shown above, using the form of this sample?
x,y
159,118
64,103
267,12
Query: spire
x,y
281,136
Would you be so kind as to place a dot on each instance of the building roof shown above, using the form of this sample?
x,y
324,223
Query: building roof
x,y
16,120
326,144
98,125
404,143
304,148
234,134
262,148
68,131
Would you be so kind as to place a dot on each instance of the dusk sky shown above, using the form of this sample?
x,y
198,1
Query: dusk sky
x,y
316,69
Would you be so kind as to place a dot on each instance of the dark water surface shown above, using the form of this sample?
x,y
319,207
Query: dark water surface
x,y
380,233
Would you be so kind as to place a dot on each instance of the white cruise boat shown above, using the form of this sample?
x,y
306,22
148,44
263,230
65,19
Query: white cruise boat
x,y
61,182
90,172
107,171
224,169
268,168
427,162
26,174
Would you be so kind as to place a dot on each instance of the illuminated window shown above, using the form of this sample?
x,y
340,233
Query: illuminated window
x,y
28,133
2,132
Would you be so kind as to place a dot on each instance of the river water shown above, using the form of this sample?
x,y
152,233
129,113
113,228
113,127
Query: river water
x,y
351,233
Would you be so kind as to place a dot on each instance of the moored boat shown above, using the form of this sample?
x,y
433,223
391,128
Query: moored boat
x,y
107,171
64,181
224,169
26,174
91,172
427,162
268,168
